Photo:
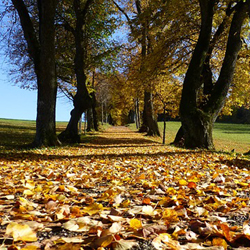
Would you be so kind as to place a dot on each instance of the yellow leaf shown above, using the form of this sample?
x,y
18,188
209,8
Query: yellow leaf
x,y
219,242
94,208
135,224
30,247
125,203
21,232
70,246
164,241
102,241
182,182
124,244
170,215
28,192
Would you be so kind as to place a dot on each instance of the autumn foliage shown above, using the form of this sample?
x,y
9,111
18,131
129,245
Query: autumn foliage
x,y
123,191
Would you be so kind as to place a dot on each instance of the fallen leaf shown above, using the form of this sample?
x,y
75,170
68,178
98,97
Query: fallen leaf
x,y
20,232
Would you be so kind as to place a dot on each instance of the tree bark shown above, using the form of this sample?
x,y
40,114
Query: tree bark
x,y
137,113
149,123
90,123
42,52
82,100
198,119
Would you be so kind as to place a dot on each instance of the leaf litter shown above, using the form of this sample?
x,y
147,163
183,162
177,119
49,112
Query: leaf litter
x,y
122,191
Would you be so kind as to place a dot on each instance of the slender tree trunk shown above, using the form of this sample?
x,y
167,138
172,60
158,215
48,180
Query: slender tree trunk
x,y
164,125
82,100
149,123
95,120
90,124
102,113
137,113
80,126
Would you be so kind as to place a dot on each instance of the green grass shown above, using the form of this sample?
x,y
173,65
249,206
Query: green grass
x,y
16,133
227,137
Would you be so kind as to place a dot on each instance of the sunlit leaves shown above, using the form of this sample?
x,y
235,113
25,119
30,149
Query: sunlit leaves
x,y
116,196
20,232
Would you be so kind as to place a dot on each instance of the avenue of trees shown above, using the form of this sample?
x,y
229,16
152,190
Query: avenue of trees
x,y
113,58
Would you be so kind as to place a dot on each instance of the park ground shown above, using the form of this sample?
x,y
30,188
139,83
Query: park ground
x,y
121,190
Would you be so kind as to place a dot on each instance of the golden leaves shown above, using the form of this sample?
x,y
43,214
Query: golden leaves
x,y
135,224
110,197
20,232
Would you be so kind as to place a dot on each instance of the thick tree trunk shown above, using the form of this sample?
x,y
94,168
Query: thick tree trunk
x,y
47,85
149,123
198,119
42,52
193,123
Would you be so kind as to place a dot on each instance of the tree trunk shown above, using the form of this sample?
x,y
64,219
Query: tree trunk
x,y
198,119
82,100
137,113
47,85
42,52
164,125
90,123
149,123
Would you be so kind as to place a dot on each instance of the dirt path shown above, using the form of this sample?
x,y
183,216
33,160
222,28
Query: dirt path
x,y
122,136
122,141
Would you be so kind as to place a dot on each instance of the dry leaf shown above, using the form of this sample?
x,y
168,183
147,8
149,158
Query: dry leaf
x,y
21,232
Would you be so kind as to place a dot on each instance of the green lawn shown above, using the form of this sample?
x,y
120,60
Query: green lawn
x,y
226,136
18,133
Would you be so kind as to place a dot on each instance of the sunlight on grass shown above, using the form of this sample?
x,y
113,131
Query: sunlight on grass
x,y
227,137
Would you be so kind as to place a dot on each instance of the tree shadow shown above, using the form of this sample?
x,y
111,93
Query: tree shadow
x,y
102,141
32,156
240,163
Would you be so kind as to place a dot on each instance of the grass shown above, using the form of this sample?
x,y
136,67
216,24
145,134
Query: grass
x,y
227,137
16,133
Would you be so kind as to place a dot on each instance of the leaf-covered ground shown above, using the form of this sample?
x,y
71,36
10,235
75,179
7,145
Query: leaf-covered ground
x,y
123,191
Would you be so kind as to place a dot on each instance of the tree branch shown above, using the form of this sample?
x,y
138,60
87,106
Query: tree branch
x,y
28,29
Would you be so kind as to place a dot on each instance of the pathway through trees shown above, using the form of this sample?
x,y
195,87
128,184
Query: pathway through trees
x,y
123,191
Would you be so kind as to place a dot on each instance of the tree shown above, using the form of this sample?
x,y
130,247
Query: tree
x,y
199,109
90,27
41,48
139,29
82,100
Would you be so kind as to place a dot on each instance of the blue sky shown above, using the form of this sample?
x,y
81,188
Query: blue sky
x,y
16,103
